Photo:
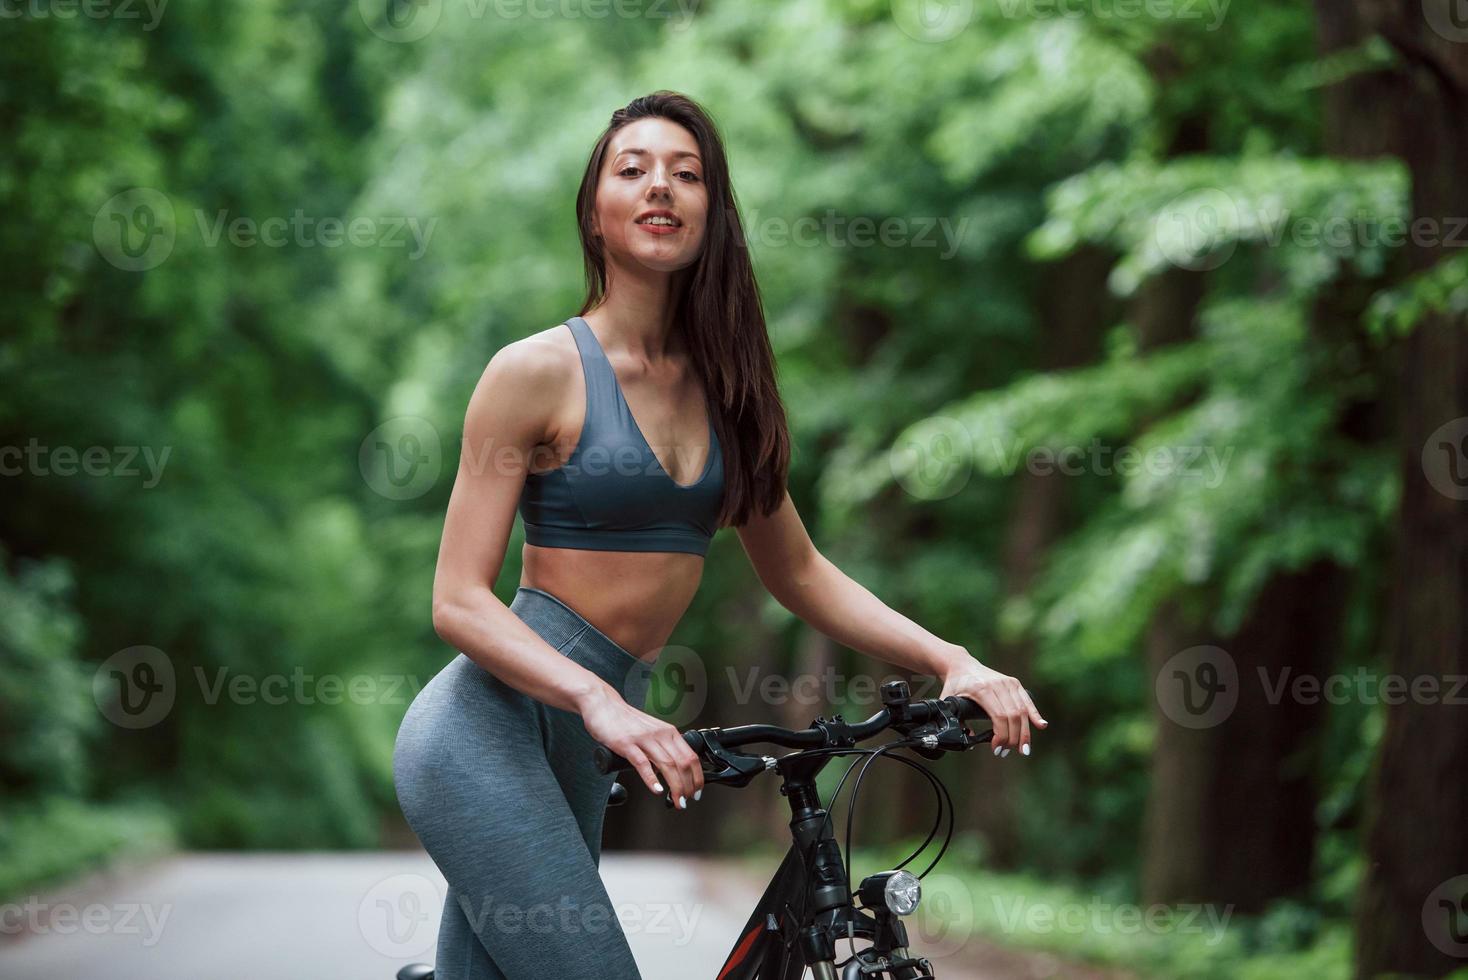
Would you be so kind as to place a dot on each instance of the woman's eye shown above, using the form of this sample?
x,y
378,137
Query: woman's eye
x,y
682,173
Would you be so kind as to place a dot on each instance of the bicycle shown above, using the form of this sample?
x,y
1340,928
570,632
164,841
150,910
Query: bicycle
x,y
808,906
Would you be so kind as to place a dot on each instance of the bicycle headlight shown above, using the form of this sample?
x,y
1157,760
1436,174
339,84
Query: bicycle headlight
x,y
898,890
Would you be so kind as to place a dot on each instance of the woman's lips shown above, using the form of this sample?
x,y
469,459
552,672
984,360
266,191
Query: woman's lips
x,y
659,229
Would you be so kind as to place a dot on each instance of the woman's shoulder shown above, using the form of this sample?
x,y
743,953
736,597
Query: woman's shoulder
x,y
546,357
529,380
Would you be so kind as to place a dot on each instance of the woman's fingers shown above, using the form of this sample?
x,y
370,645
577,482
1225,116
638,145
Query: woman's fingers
x,y
680,764
1015,728
999,721
1012,712
695,770
1019,721
1033,711
668,765
690,769
644,768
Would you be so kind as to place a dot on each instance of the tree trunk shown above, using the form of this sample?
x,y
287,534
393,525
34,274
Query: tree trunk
x,y
1073,312
1412,916
1178,829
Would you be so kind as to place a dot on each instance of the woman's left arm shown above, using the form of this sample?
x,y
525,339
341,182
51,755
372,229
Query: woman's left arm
x,y
804,581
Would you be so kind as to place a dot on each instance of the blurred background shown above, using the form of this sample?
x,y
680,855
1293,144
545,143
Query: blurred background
x,y
1123,343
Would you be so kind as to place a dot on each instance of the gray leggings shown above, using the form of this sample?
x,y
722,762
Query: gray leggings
x,y
502,791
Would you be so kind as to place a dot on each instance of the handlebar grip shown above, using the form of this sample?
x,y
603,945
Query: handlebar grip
x,y
608,761
969,708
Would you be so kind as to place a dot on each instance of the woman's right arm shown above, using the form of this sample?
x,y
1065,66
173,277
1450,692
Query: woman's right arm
x,y
509,414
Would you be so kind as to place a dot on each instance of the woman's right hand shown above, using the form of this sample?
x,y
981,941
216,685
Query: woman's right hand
x,y
645,742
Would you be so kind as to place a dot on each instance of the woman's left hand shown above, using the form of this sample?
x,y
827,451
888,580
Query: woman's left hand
x,y
1002,697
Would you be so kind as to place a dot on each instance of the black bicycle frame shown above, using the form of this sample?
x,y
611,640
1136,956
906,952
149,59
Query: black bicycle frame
x,y
807,905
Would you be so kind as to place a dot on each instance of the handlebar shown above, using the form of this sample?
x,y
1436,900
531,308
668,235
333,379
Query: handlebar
x,y
937,724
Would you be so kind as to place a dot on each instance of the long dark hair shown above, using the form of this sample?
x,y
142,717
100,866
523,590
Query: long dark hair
x,y
717,307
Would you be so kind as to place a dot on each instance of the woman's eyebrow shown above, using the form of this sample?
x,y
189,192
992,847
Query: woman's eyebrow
x,y
638,149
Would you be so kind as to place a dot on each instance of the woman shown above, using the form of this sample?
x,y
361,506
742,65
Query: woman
x,y
626,436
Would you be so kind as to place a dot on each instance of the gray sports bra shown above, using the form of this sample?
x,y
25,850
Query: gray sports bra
x,y
612,494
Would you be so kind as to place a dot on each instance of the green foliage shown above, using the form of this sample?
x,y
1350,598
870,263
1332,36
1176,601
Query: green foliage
x,y
1315,216
919,382
46,711
1443,288
46,842
1107,927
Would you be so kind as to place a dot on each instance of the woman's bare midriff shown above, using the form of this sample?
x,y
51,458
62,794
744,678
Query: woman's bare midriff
x,y
636,598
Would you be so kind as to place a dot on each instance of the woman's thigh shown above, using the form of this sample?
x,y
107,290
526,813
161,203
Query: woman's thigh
x,y
493,812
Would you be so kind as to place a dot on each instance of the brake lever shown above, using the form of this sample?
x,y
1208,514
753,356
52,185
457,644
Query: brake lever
x,y
738,768
947,734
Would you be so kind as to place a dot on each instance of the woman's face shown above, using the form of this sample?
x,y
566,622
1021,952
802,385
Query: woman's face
x,y
652,166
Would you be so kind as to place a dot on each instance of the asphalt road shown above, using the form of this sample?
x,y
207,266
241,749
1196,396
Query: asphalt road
x,y
360,916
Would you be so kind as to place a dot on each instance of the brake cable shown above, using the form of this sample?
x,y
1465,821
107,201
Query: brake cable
x,y
939,791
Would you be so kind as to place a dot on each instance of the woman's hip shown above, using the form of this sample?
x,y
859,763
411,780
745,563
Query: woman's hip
x,y
465,711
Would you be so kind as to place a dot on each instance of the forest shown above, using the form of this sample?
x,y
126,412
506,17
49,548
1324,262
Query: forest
x,y
1124,344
